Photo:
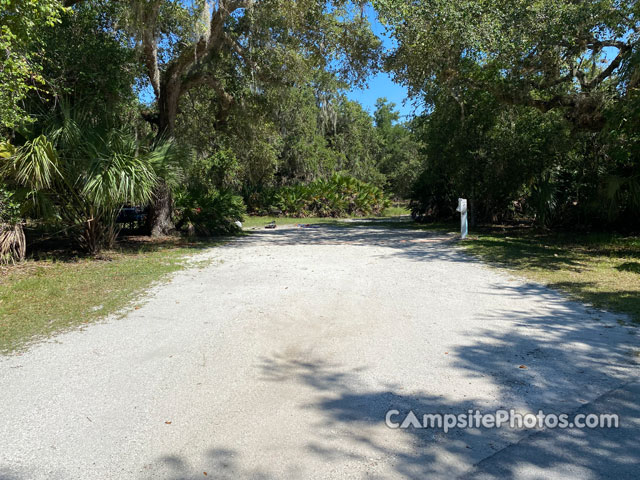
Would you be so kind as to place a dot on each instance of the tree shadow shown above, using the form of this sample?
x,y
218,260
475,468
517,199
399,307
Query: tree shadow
x,y
554,355
404,242
65,251
571,366
633,267
526,253
218,464
560,358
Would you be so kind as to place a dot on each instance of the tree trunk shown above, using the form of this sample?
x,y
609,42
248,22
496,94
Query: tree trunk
x,y
160,221
12,243
168,107
160,218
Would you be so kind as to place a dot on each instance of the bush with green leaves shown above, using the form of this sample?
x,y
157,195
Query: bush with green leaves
x,y
260,200
9,208
340,196
210,213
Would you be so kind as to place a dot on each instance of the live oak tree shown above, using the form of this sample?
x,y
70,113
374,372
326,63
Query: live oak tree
x,y
546,54
226,45
531,105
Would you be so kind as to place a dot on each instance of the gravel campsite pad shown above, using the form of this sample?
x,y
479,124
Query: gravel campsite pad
x,y
281,357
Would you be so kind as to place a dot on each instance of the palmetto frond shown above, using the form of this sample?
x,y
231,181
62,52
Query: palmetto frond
x,y
35,165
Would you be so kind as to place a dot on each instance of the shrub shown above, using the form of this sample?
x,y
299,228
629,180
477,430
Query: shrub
x,y
339,196
211,213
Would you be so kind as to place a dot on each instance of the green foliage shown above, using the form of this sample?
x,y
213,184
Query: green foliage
x,y
81,174
89,65
543,51
532,107
20,21
515,162
9,208
340,196
399,158
211,213
284,136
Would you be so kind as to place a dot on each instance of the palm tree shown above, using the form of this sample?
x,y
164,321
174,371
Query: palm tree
x,y
83,176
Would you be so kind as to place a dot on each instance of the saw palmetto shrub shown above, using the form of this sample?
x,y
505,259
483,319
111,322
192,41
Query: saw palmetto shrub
x,y
209,213
339,196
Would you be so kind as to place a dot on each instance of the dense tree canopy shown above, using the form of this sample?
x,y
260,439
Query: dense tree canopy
x,y
544,54
530,105
220,99
21,53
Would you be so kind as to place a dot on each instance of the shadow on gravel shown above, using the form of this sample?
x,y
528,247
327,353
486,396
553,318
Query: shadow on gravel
x,y
221,464
573,365
563,359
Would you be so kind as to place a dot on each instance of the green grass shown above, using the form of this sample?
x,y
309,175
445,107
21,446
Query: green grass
x,y
261,221
396,211
600,269
39,298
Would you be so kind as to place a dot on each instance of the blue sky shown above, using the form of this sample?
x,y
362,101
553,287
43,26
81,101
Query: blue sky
x,y
382,85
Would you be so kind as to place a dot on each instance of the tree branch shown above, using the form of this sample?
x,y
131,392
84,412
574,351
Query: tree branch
x,y
208,79
609,70
237,48
150,46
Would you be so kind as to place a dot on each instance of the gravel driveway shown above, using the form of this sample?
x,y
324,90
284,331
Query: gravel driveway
x,y
281,358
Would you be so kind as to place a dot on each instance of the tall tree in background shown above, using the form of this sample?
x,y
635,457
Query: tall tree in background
x,y
530,100
226,44
545,54
399,151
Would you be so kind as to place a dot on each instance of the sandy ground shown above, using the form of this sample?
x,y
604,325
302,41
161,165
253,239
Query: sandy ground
x,y
281,358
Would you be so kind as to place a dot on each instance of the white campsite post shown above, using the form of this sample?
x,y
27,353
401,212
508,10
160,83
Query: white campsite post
x,y
462,208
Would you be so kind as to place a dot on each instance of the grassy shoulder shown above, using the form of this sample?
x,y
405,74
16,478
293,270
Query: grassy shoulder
x,y
39,298
261,221
601,269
